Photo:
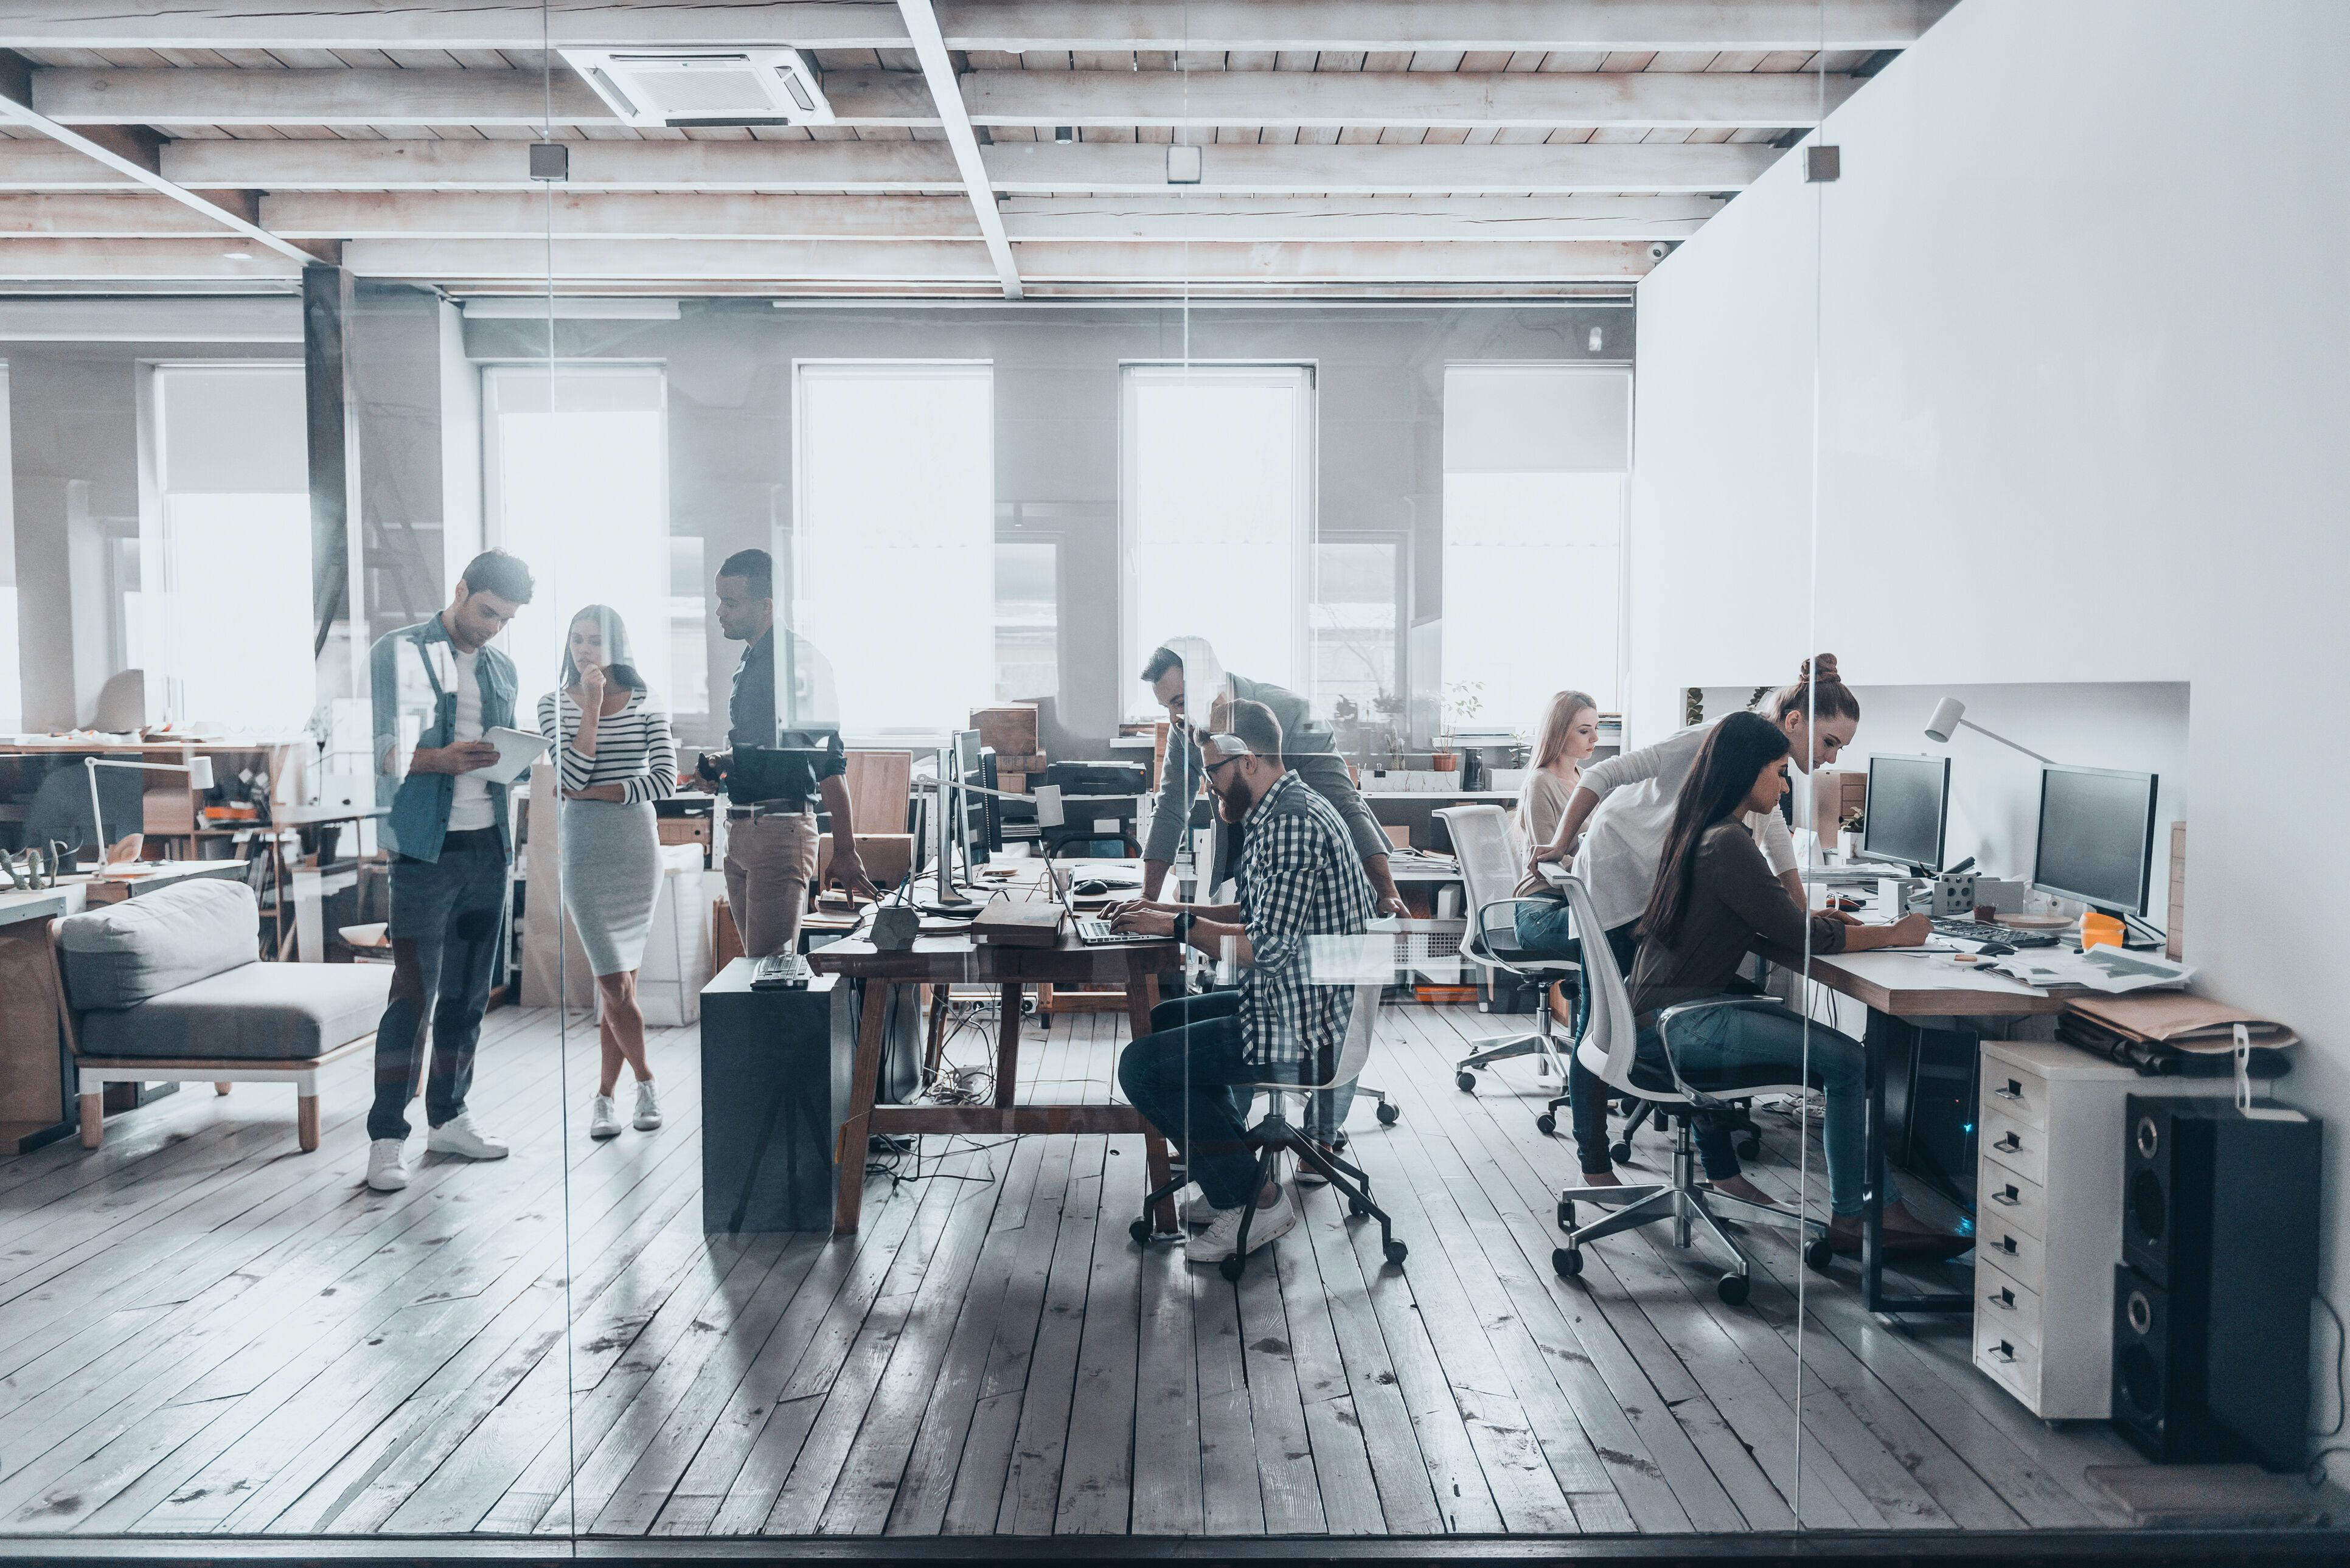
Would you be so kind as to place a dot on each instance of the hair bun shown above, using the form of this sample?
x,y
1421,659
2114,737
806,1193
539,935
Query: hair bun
x,y
1821,670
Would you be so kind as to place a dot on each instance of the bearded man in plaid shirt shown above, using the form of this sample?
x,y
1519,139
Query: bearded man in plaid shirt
x,y
1298,876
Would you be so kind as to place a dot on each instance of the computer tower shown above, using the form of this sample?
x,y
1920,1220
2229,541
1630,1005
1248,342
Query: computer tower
x,y
2219,1242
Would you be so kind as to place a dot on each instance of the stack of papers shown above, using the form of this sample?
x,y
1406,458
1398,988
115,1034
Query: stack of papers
x,y
2109,969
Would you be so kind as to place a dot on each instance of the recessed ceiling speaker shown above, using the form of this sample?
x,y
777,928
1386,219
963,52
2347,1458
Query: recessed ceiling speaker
x,y
680,87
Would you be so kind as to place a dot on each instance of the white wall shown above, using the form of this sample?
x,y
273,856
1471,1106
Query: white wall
x,y
2083,381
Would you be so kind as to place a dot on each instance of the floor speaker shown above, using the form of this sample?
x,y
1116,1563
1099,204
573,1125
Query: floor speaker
x,y
2212,1298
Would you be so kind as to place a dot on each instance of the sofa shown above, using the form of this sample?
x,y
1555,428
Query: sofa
x,y
170,987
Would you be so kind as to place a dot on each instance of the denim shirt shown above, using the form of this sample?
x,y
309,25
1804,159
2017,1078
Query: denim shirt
x,y
419,802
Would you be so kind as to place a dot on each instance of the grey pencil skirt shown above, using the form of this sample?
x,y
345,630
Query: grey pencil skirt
x,y
611,875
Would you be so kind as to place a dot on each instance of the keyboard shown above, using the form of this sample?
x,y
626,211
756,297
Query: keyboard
x,y
781,972
1976,931
1094,932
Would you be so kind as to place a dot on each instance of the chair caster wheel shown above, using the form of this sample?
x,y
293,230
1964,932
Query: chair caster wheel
x,y
1567,1262
1750,1148
1818,1254
1621,1152
1567,1214
1232,1268
1396,1251
1140,1232
1546,1124
1358,1208
1389,1114
1338,1140
1468,1081
1732,1289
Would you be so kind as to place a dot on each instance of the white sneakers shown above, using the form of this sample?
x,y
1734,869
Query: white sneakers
x,y
1221,1240
604,1111
387,1157
459,1136
387,1172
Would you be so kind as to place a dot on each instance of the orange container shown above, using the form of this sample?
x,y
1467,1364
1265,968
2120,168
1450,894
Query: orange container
x,y
2100,930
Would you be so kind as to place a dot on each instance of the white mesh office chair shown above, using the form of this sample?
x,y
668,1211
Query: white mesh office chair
x,y
1276,1135
1609,1048
1491,861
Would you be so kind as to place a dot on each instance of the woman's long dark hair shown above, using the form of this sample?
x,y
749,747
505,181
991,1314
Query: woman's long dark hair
x,y
1735,754
620,658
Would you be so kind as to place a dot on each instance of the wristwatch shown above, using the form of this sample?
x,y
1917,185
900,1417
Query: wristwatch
x,y
1183,923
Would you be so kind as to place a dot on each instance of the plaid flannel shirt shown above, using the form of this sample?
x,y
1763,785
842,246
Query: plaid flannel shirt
x,y
1299,876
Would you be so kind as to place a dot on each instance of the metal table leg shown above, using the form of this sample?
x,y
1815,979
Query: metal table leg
x,y
1886,1040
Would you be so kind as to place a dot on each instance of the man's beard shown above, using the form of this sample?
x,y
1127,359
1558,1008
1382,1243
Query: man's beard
x,y
1232,801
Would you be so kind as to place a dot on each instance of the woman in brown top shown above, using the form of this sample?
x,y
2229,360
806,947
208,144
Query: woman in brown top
x,y
1715,902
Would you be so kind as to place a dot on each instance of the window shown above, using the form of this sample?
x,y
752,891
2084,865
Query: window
x,y
1216,480
1535,464
575,467
893,542
1357,656
228,617
12,711
1027,619
689,653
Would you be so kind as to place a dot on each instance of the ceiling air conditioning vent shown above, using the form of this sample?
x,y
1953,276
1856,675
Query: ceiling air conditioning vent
x,y
705,86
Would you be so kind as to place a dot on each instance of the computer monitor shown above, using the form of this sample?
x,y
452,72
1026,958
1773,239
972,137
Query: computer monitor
x,y
2096,837
1908,811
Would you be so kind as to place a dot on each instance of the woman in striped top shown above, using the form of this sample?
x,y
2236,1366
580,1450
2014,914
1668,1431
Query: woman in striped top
x,y
618,756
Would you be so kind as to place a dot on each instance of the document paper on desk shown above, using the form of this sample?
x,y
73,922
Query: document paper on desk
x,y
2109,969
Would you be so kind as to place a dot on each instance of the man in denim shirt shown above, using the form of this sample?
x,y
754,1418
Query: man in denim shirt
x,y
448,836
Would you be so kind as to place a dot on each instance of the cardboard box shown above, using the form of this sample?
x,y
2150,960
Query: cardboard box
x,y
1010,729
888,857
1021,763
1836,793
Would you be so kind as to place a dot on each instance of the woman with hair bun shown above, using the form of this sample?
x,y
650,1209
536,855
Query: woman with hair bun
x,y
1615,828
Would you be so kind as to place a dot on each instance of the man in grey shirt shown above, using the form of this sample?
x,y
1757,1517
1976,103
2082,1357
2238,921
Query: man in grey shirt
x,y
1307,749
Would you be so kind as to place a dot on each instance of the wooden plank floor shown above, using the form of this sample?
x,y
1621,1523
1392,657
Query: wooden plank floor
x,y
203,1331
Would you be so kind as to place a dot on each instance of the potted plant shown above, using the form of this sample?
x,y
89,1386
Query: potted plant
x,y
1462,701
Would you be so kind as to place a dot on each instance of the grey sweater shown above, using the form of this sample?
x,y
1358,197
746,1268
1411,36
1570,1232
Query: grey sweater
x,y
1306,748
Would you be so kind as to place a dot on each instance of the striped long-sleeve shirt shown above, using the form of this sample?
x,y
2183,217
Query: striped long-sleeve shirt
x,y
634,747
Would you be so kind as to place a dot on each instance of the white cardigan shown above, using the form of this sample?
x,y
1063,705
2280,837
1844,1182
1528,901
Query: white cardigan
x,y
1625,838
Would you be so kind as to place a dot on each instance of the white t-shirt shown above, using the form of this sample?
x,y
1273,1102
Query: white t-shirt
x,y
1625,838
469,806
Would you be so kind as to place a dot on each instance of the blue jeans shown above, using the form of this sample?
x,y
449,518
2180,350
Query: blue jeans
x,y
447,917
1182,1076
1325,1110
1709,1042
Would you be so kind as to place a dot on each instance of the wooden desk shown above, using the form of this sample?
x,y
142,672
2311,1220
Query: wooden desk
x,y
936,962
1897,987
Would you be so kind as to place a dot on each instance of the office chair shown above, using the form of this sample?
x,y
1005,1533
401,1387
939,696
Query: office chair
x,y
1491,860
1609,1048
1276,1135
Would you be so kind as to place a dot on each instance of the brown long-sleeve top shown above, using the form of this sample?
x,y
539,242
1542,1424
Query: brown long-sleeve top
x,y
1736,907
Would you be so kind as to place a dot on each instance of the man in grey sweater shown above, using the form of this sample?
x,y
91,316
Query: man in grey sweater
x,y
1186,666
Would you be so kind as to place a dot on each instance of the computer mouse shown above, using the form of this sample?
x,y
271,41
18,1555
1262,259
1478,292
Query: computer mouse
x,y
1091,888
1993,950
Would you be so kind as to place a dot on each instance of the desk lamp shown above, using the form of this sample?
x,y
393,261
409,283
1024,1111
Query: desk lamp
x,y
1949,719
199,777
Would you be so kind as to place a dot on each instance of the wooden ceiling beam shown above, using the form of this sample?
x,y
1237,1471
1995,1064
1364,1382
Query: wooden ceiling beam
x,y
911,167
1124,219
1578,25
874,264
142,261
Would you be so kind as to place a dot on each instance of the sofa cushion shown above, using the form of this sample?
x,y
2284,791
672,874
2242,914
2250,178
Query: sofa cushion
x,y
259,1012
126,953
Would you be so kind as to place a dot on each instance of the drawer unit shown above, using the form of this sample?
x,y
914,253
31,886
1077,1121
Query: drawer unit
x,y
2012,1200
2014,1251
2014,1308
2016,1092
2048,1221
2021,1148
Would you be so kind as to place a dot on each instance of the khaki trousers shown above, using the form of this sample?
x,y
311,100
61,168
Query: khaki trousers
x,y
770,861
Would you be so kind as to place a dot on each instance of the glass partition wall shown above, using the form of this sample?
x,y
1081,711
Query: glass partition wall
x,y
981,779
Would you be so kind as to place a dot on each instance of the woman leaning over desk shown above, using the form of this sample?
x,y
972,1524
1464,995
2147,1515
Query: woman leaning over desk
x,y
1615,827
1715,900
617,757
